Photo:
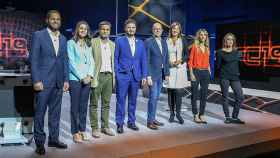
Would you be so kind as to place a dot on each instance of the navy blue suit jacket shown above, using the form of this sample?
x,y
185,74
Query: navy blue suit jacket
x,y
156,59
46,67
125,62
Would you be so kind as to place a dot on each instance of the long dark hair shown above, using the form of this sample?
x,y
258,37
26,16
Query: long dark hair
x,y
88,36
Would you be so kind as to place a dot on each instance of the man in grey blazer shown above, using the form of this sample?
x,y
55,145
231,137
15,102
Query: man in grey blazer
x,y
103,80
158,69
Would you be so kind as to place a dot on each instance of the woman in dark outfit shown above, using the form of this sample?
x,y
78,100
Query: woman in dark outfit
x,y
228,65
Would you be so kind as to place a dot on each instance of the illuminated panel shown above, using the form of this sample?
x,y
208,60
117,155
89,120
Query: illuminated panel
x,y
16,28
264,54
12,46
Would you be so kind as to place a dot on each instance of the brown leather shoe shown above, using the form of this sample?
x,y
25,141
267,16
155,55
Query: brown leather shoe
x,y
157,123
77,138
152,126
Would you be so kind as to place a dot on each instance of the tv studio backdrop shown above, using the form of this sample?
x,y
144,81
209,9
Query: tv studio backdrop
x,y
254,22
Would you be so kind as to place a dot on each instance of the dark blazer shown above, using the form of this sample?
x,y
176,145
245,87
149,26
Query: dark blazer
x,y
185,53
186,44
156,59
52,70
125,62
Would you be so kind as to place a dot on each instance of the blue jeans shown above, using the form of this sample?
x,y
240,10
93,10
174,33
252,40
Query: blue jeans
x,y
153,98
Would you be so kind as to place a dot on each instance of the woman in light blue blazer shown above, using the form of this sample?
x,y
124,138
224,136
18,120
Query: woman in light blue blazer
x,y
81,70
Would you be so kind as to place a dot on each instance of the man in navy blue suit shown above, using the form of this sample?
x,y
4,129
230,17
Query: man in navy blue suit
x,y
158,68
131,70
49,71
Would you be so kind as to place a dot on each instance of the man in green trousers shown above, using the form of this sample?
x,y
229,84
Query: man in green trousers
x,y
103,81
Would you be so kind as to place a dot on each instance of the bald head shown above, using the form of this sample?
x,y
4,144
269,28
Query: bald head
x,y
157,29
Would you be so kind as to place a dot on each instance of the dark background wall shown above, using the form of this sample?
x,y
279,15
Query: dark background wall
x,y
199,14
93,11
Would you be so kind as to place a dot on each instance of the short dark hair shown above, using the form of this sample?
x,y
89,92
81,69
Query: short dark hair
x,y
52,12
128,21
104,23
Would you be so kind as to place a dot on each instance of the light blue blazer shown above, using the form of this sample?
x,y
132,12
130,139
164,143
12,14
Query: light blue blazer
x,y
80,64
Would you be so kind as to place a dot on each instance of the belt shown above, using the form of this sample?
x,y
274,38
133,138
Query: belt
x,y
201,68
106,72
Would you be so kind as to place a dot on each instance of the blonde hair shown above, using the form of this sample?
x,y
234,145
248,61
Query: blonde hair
x,y
234,46
197,40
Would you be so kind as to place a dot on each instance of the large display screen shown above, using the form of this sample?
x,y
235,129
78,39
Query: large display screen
x,y
16,28
260,46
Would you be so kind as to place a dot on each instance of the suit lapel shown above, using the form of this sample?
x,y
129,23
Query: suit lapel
x,y
157,46
136,47
164,48
49,40
129,48
59,45
112,51
98,52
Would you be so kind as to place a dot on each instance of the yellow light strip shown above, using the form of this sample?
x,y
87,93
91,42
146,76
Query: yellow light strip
x,y
140,9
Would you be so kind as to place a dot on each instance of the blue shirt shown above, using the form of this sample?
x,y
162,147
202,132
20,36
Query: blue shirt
x,y
81,61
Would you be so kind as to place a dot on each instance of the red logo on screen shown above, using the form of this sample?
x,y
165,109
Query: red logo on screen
x,y
264,54
11,46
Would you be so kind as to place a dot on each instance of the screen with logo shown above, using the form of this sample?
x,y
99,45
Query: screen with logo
x,y
16,28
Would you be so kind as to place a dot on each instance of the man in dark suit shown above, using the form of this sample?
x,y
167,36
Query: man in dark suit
x,y
130,69
158,68
49,71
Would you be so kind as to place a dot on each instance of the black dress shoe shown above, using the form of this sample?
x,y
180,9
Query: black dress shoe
x,y
228,120
57,144
119,129
157,123
152,126
237,121
180,119
171,118
133,127
40,150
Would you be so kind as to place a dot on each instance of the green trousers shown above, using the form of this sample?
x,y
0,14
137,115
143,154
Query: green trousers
x,y
103,90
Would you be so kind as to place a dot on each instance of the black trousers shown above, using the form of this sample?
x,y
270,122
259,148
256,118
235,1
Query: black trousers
x,y
237,90
202,79
174,101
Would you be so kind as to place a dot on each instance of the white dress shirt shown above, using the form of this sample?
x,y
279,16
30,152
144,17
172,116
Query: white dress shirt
x,y
131,42
55,40
106,65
